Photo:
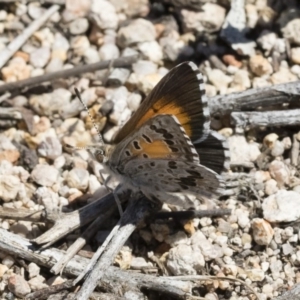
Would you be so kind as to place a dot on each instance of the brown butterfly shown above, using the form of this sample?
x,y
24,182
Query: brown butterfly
x,y
154,151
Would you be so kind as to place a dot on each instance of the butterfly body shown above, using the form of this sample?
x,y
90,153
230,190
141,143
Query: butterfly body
x,y
154,151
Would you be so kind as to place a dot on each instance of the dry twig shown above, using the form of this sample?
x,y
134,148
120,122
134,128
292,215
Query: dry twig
x,y
295,151
123,280
290,117
68,222
135,213
254,98
27,215
15,45
122,62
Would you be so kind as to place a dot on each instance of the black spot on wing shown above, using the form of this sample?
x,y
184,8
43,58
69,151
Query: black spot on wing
x,y
168,135
136,145
188,181
183,186
161,130
194,173
172,164
169,142
174,149
146,138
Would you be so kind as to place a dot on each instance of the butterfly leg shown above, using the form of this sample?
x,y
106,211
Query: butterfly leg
x,y
117,199
118,202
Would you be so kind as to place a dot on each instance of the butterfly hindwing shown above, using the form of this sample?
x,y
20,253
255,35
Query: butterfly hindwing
x,y
180,93
169,176
159,168
161,137
214,152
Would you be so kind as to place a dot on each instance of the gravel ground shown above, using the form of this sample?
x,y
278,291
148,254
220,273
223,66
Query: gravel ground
x,y
237,46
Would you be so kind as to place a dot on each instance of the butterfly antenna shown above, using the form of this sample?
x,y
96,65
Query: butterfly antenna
x,y
90,116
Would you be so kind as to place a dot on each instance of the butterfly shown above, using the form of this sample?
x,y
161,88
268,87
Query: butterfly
x,y
166,150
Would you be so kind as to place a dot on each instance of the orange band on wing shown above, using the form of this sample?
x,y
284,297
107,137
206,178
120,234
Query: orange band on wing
x,y
157,149
160,107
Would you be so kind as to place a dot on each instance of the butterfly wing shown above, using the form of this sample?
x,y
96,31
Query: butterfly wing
x,y
160,137
180,93
160,159
214,152
170,176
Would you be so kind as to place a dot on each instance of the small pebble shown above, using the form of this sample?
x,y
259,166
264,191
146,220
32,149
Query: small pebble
x,y
219,80
137,31
108,52
18,286
44,175
33,270
40,57
79,26
271,187
262,231
78,178
37,283
3,270
50,148
260,65
278,149
270,139
104,14
280,172
282,206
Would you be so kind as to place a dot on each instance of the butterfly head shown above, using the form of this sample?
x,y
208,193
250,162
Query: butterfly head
x,y
100,153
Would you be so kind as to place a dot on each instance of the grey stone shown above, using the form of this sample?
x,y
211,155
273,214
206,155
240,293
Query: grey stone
x,y
44,175
50,148
137,31
79,26
40,57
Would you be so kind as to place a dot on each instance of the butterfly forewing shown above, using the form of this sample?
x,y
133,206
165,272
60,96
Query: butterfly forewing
x,y
180,93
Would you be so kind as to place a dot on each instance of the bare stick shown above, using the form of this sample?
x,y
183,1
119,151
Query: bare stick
x,y
45,293
26,215
59,2
70,221
123,280
122,62
253,119
255,98
134,213
208,277
98,253
295,151
10,113
179,286
4,97
79,243
15,45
